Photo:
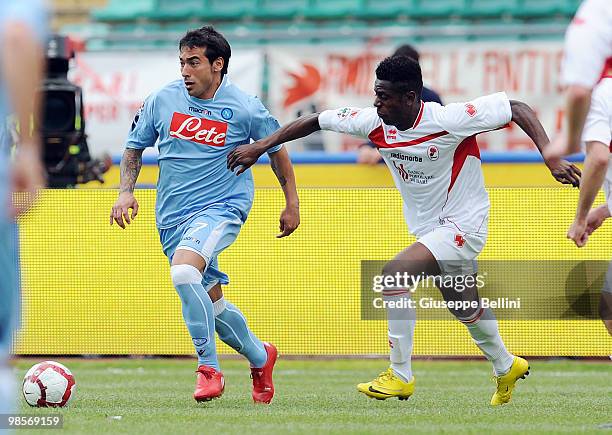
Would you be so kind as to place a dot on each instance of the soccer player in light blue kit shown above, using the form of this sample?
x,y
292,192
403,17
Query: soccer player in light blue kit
x,y
22,29
201,205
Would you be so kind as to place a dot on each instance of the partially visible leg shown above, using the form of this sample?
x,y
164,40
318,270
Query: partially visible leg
x,y
482,325
398,381
415,260
233,330
230,323
605,310
197,307
456,253
483,328
605,301
186,271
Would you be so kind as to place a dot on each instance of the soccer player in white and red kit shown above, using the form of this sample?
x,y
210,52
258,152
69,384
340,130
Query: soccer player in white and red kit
x,y
586,53
597,137
432,153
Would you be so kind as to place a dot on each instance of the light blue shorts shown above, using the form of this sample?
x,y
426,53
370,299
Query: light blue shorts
x,y
207,233
9,284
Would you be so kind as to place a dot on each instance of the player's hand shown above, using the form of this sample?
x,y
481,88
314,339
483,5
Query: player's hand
x,y
578,233
289,220
27,177
244,156
564,172
368,156
120,212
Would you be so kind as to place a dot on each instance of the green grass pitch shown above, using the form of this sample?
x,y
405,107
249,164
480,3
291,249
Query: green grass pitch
x,y
153,396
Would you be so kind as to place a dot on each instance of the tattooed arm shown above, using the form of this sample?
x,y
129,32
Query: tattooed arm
x,y
290,217
131,163
130,168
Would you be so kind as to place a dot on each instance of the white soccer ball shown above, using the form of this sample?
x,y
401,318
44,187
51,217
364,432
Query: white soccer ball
x,y
48,383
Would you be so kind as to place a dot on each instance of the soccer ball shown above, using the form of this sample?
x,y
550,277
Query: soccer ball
x,y
48,383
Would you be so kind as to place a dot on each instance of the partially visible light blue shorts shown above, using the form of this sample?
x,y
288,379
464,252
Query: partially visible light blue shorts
x,y
9,284
207,233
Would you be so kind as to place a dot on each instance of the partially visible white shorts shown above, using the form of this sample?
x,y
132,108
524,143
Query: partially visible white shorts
x,y
454,250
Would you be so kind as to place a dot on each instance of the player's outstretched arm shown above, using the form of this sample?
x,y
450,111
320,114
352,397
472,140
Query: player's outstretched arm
x,y
577,108
131,162
283,169
578,103
526,119
247,155
595,167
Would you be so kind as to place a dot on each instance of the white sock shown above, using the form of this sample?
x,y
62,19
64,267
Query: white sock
x,y
485,333
401,323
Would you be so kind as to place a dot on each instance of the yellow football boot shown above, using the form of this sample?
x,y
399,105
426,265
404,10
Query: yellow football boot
x,y
387,385
505,383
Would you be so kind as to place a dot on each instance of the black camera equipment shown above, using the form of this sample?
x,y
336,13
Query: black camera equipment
x,y
65,151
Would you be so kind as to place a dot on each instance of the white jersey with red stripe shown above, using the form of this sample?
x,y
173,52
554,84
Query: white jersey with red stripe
x,y
598,126
588,44
436,163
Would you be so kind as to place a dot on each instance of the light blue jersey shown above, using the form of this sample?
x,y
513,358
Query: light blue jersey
x,y
194,137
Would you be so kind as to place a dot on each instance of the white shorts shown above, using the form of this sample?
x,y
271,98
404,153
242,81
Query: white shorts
x,y
454,250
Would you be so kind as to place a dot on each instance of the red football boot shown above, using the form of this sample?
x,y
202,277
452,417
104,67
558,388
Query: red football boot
x,y
209,384
263,387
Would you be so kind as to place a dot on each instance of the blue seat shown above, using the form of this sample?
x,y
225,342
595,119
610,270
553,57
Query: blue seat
x,y
332,10
121,10
171,10
438,8
490,8
280,9
228,10
542,8
388,9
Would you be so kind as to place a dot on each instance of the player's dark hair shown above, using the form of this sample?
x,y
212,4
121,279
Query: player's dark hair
x,y
403,72
408,51
213,42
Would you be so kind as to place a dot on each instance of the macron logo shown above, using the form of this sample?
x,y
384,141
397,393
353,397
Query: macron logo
x,y
199,130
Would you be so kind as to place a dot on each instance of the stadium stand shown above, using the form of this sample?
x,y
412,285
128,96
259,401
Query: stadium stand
x,y
124,24
266,10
